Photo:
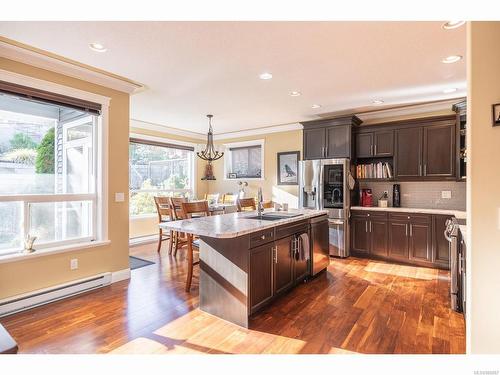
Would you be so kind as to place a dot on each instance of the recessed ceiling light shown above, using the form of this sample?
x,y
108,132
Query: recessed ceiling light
x,y
451,59
378,101
97,47
449,90
316,106
295,93
452,24
265,76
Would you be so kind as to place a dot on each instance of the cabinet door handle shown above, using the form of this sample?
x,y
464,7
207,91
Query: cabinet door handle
x,y
370,226
406,229
275,250
425,169
326,151
420,169
371,149
375,152
366,226
411,230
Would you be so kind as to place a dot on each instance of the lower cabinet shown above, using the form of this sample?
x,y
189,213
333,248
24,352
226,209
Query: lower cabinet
x,y
261,288
283,264
403,237
286,268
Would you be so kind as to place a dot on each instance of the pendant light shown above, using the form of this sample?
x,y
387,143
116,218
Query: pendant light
x,y
209,153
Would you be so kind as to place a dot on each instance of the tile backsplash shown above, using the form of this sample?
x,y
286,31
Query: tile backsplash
x,y
422,194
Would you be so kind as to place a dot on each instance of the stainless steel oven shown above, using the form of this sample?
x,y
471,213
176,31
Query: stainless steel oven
x,y
457,265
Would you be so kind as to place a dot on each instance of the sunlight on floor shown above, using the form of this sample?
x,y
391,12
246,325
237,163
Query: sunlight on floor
x,y
199,333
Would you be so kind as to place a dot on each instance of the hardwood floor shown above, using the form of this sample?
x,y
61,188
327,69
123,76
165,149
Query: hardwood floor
x,y
359,306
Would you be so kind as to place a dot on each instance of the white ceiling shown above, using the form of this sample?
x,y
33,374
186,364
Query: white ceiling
x,y
194,68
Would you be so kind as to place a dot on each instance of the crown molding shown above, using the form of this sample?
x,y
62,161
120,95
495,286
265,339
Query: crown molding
x,y
25,54
259,131
138,124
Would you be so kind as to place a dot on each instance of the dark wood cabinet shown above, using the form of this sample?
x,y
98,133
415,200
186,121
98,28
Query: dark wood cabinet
x,y
398,240
360,235
364,145
408,160
440,246
314,143
261,288
378,237
383,142
420,242
338,142
375,144
283,264
330,138
403,237
439,151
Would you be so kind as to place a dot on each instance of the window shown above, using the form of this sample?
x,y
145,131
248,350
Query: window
x,y
158,168
48,170
244,160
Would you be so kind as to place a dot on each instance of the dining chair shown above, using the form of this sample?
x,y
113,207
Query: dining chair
x,y
212,198
164,214
229,198
179,238
244,204
188,209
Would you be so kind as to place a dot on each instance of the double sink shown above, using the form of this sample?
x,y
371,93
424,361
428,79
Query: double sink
x,y
272,216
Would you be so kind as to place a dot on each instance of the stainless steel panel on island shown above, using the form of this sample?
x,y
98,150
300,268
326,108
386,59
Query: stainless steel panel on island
x,y
245,262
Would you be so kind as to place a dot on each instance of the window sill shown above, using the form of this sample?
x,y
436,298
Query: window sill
x,y
14,257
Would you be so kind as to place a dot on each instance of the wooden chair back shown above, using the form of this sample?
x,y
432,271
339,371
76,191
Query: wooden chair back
x,y
267,204
229,198
246,204
212,198
189,208
163,208
176,207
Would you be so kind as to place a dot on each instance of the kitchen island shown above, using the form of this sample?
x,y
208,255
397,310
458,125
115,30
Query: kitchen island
x,y
247,261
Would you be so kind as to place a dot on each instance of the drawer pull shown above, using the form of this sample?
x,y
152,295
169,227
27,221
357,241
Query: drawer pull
x,y
263,237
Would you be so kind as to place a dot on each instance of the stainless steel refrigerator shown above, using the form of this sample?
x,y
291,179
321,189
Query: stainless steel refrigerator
x,y
324,184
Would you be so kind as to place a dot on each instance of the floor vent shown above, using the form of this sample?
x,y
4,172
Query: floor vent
x,y
40,297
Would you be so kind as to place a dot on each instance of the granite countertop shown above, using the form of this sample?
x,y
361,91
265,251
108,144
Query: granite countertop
x,y
234,224
436,211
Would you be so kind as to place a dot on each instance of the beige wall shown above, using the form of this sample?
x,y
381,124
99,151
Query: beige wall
x,y
27,275
146,226
483,76
274,143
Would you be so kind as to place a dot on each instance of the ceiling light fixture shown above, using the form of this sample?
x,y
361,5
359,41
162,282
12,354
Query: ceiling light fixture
x,y
316,106
450,90
451,59
295,93
265,76
209,154
452,25
378,101
97,47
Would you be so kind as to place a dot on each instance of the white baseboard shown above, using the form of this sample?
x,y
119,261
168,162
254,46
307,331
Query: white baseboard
x,y
120,275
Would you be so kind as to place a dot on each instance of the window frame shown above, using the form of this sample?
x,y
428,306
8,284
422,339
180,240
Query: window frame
x,y
165,141
99,196
228,159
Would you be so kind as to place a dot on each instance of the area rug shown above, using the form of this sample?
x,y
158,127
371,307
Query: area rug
x,y
138,262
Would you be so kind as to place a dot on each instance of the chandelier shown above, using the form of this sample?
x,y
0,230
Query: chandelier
x,y
209,153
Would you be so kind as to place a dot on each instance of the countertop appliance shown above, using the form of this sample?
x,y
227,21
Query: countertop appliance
x,y
396,195
366,197
324,184
457,264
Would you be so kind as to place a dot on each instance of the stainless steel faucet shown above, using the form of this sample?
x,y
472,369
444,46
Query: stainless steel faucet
x,y
260,200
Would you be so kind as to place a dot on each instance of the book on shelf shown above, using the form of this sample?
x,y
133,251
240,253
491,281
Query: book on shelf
x,y
380,170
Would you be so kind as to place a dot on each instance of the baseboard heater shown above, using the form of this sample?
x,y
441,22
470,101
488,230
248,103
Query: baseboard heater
x,y
43,296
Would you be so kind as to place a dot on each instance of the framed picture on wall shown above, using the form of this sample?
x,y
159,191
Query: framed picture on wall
x,y
288,167
496,114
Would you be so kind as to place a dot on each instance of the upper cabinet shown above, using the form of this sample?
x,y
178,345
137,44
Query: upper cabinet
x,y
326,139
426,152
375,144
